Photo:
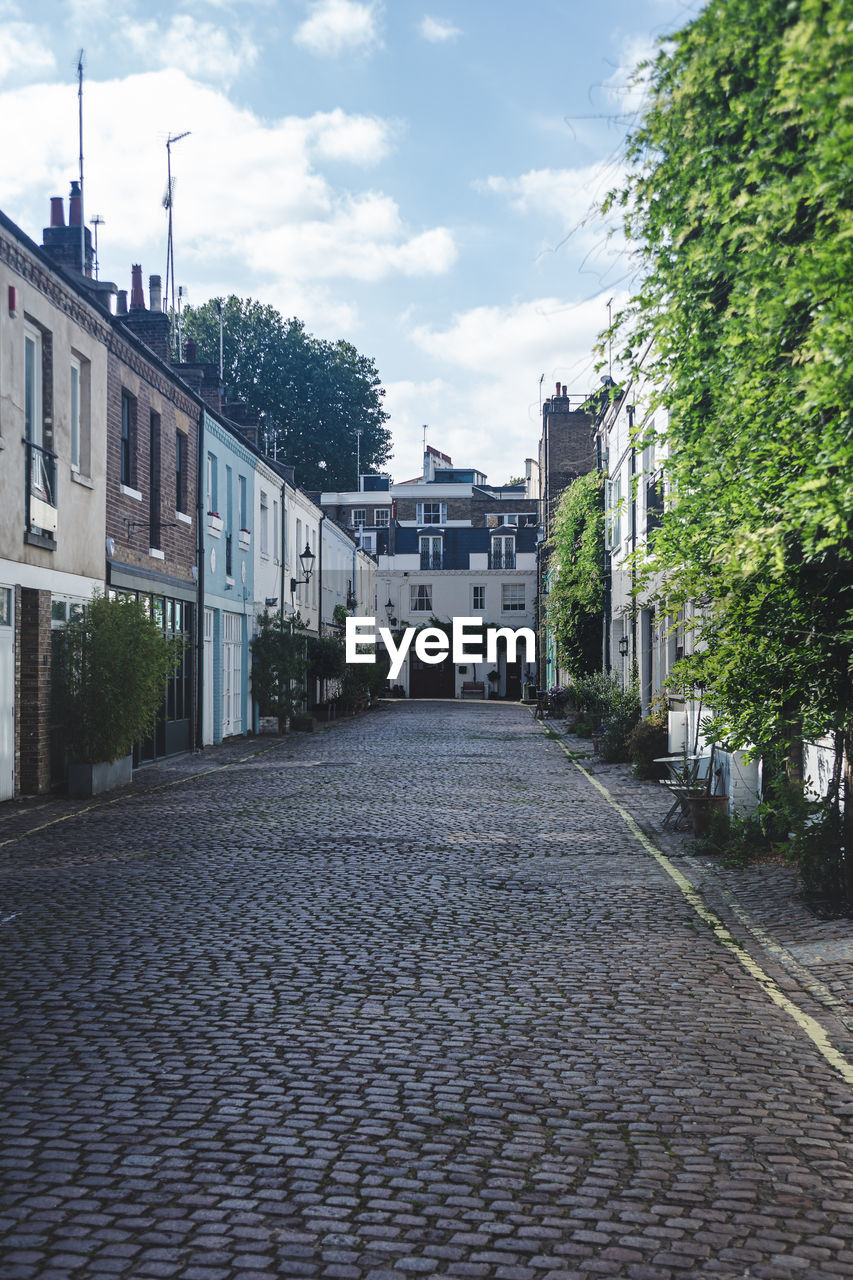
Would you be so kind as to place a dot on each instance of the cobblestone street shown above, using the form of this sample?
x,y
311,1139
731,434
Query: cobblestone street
x,y
401,997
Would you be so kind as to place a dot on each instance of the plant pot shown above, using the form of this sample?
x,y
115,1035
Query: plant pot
x,y
86,780
702,809
268,724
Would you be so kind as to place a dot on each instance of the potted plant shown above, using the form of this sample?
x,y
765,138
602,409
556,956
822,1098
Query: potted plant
x,y
116,664
278,667
701,803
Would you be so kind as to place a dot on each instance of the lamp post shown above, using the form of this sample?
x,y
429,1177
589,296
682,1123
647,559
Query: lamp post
x,y
307,561
389,612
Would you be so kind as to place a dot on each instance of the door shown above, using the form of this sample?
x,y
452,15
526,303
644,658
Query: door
x,y
207,710
431,680
7,696
232,674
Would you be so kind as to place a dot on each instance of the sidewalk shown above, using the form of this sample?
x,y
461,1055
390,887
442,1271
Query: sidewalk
x,y
760,903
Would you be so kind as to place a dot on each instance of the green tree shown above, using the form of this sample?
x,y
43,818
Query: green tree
x,y
739,203
279,663
313,395
576,575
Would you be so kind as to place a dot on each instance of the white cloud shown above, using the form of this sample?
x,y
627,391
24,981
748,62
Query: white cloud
x,y
334,27
252,204
568,195
23,52
198,48
362,238
438,31
627,88
491,419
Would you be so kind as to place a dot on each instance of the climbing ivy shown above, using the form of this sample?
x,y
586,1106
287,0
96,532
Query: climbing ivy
x,y
739,203
575,597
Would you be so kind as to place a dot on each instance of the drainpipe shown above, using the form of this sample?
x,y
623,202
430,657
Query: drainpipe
x,y
199,519
320,573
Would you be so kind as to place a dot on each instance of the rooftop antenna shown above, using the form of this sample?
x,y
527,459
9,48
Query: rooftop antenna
x,y
541,380
168,202
80,132
610,338
96,221
219,309
358,458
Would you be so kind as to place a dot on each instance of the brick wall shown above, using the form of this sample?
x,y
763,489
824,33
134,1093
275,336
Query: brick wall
x,y
32,690
128,517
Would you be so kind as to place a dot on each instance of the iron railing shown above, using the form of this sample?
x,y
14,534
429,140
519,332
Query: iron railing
x,y
41,488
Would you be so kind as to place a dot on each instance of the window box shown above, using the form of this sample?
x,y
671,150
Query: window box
x,y
245,539
214,523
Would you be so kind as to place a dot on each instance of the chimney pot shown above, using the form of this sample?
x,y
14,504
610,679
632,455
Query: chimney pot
x,y
137,297
190,351
155,291
75,205
57,211
121,302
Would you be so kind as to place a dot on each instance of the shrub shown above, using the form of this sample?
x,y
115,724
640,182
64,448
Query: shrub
x,y
605,705
278,665
647,741
116,664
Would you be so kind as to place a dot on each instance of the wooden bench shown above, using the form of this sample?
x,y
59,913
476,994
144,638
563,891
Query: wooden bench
x,y
473,689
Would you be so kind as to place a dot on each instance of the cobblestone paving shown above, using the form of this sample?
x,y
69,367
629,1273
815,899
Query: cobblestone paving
x,y
400,998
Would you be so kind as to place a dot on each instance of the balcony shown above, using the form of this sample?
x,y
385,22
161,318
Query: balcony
x,y
432,560
501,559
41,514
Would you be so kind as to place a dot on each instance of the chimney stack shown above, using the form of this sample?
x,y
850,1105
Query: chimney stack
x,y
155,292
190,351
121,302
61,242
137,297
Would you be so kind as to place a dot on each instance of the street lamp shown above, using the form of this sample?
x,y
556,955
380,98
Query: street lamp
x,y
623,647
307,561
389,612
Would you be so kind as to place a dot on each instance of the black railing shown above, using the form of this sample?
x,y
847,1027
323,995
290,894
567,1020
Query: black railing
x,y
502,560
41,486
431,560
228,557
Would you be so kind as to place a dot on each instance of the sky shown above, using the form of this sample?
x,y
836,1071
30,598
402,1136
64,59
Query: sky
x,y
418,177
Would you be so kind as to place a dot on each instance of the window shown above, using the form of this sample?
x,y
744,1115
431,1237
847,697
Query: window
x,y
478,599
432,512
181,475
420,598
212,496
381,517
503,552
512,597
242,501
154,492
510,519
229,502
5,606
614,512
431,553
33,384
74,413
275,531
265,525
654,506
359,517
367,542
128,440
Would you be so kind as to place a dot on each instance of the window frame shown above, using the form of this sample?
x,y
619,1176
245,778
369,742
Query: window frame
x,y
420,591
520,605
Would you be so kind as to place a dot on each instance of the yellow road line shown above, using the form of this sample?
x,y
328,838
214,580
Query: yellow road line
x,y
813,1029
174,782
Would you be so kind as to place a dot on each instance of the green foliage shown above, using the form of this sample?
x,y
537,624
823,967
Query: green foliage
x,y
739,205
279,663
646,743
116,664
313,394
605,706
326,658
576,579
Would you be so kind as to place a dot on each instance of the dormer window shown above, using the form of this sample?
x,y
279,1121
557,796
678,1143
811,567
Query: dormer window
x,y
502,552
431,548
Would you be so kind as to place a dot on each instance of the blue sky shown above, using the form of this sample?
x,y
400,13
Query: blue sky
x,y
413,177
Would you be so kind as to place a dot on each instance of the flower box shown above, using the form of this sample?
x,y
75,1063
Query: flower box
x,y
214,522
245,539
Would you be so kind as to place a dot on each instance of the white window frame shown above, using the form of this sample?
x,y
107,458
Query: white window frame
x,y
381,517
359,517
33,387
434,545
432,518
420,597
265,524
75,410
507,541
511,600
475,589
